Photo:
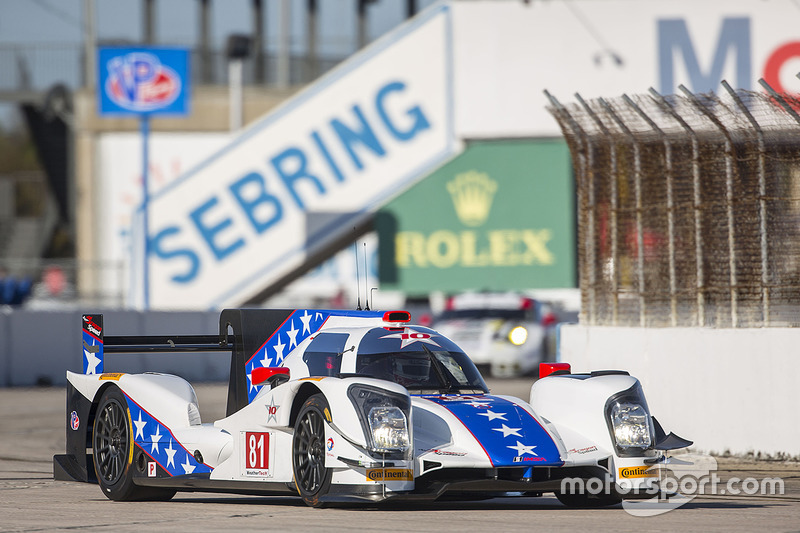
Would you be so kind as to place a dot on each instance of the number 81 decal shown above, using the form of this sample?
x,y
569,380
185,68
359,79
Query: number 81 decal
x,y
256,454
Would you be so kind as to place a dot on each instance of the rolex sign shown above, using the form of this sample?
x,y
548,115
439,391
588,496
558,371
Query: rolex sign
x,y
498,217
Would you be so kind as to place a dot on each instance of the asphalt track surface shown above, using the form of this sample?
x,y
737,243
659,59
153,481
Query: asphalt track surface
x,y
32,429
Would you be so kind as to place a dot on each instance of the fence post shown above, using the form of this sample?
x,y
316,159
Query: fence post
x,y
697,203
762,202
730,169
587,265
614,209
784,104
637,185
670,208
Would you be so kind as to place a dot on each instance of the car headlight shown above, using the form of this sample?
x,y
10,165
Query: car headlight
x,y
518,335
384,418
629,422
631,425
389,429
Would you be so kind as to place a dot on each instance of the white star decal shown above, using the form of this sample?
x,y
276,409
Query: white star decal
x,y
279,349
508,431
492,415
250,381
409,335
155,437
140,425
267,361
92,360
479,405
188,468
292,336
521,449
318,316
306,319
170,454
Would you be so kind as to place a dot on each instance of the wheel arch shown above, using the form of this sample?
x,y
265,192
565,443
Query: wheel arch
x,y
306,391
93,412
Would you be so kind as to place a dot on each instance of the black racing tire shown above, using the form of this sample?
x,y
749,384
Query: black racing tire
x,y
112,451
587,501
311,477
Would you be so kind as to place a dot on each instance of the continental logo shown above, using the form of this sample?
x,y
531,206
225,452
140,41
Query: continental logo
x,y
637,471
472,194
111,376
390,474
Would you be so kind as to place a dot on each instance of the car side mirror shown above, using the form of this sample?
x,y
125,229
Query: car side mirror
x,y
272,376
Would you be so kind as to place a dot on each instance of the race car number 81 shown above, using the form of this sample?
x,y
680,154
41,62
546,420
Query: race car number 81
x,y
257,455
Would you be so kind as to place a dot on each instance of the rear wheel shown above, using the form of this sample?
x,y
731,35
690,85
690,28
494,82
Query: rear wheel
x,y
308,452
112,447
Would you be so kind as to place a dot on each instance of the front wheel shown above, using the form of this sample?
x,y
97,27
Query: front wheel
x,y
308,452
112,451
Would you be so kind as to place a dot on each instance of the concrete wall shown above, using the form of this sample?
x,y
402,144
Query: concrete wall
x,y
38,347
727,390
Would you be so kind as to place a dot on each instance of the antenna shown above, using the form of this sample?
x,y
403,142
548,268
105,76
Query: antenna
x,y
358,278
366,277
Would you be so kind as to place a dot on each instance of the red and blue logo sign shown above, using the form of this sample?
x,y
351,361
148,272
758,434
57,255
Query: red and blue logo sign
x,y
74,421
143,80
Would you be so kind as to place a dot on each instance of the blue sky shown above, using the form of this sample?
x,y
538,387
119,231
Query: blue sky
x,y
58,24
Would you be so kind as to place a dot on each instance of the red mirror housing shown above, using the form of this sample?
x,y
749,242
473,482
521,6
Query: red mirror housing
x,y
271,375
545,369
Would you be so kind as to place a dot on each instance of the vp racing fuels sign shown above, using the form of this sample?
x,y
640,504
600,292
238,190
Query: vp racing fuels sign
x,y
133,81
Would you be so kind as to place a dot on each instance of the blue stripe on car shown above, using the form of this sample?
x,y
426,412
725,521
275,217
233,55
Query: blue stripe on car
x,y
509,435
158,442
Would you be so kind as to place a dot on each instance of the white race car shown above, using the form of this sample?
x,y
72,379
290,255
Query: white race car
x,y
506,334
338,406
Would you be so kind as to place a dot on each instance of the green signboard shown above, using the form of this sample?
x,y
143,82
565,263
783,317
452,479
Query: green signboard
x,y
501,216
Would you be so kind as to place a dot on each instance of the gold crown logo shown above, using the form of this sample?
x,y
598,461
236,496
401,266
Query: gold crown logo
x,y
472,193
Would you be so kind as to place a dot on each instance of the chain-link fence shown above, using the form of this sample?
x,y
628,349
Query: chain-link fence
x,y
688,208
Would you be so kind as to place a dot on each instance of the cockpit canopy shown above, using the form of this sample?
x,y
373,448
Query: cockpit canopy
x,y
419,359
416,357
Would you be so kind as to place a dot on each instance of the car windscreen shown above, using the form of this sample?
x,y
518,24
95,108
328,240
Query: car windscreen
x,y
427,369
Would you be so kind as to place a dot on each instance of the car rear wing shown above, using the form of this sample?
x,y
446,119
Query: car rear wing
x,y
96,344
241,333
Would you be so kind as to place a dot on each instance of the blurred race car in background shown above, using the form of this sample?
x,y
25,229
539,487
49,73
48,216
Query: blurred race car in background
x,y
352,406
506,334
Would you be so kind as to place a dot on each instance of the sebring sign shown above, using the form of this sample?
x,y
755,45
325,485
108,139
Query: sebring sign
x,y
307,172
